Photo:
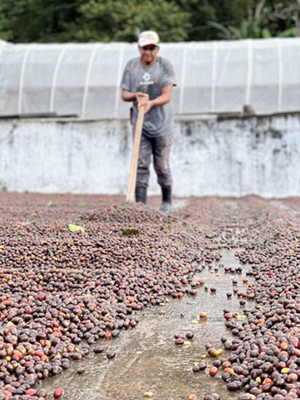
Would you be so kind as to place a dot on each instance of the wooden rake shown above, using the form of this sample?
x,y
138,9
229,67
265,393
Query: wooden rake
x,y
135,154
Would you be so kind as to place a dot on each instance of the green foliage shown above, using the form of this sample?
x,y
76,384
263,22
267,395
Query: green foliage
x,y
75,228
175,20
169,228
220,11
262,24
90,21
244,31
288,32
108,21
131,231
36,20
266,34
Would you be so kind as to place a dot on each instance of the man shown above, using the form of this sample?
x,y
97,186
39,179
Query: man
x,y
153,78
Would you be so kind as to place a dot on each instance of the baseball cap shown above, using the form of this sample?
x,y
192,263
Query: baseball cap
x,y
148,37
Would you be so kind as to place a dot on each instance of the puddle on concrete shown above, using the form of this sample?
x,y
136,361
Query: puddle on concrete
x,y
147,360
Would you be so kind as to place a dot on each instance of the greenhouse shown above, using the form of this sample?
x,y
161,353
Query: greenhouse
x,y
83,80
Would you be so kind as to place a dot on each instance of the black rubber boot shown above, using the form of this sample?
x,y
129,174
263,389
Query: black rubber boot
x,y
140,194
166,204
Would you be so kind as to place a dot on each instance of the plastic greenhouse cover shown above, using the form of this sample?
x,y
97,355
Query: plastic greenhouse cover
x,y
213,77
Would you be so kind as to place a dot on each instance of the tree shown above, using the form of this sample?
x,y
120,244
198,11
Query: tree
x,y
262,22
107,21
298,20
35,20
45,21
240,19
92,20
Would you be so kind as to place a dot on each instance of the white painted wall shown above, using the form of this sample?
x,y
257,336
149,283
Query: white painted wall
x,y
210,156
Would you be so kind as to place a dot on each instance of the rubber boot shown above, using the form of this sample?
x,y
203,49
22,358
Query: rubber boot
x,y
166,204
140,194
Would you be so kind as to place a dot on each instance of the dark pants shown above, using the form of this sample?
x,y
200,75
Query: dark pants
x,y
160,148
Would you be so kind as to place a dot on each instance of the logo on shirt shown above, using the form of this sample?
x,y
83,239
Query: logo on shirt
x,y
146,79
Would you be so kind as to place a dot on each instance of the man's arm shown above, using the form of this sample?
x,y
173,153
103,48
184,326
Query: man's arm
x,y
128,96
164,98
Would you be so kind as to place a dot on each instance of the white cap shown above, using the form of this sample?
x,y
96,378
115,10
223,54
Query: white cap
x,y
148,37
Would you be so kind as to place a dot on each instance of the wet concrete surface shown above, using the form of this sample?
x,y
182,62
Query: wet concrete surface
x,y
147,359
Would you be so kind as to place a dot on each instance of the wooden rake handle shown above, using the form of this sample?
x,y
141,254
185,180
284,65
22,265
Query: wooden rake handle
x,y
135,154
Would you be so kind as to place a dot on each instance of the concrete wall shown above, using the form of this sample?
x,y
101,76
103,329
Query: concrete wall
x,y
210,156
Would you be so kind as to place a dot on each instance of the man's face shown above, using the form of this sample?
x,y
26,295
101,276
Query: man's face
x,y
148,54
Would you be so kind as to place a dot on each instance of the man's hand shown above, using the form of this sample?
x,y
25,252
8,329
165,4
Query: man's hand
x,y
148,104
139,96
161,100
128,96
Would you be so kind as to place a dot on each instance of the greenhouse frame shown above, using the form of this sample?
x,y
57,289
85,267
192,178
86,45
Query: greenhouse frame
x,y
213,77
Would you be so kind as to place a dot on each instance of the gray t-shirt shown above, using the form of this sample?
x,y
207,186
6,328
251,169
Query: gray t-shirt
x,y
151,79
